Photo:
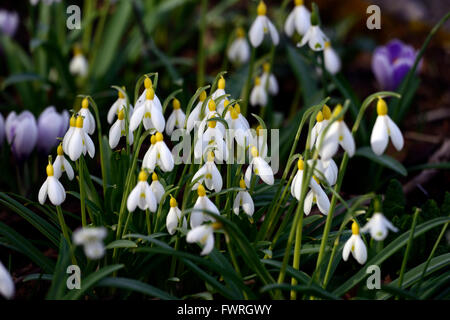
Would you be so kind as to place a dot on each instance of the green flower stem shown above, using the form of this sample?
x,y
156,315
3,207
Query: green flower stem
x,y
235,264
342,170
408,248
281,228
147,219
246,90
201,44
174,259
65,231
82,192
297,249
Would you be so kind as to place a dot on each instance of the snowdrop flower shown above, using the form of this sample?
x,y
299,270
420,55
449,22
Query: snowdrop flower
x,y
298,20
149,112
62,165
160,155
118,130
211,140
244,200
314,36
21,134
174,217
262,25
118,106
194,116
383,129
146,160
238,126
51,126
331,59
337,134
143,97
328,170
258,96
92,241
7,288
89,120
79,142
315,195
260,167
378,227
2,129
273,83
176,118
356,246
79,64
322,120
204,235
157,188
239,51
220,91
209,174
53,188
69,132
142,195
202,204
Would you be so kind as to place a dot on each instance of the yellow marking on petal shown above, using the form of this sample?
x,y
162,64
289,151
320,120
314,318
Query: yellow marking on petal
x,y
143,176
201,191
210,156
262,9
221,84
147,115
355,228
121,115
122,132
176,104
49,170
382,108
79,123
85,103
142,195
208,176
341,137
60,151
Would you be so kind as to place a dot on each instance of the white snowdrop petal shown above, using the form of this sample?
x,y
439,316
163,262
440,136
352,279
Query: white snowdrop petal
x,y
133,198
75,145
289,24
209,245
94,250
247,203
308,202
264,170
273,32
152,203
395,134
256,33
69,169
89,145
360,252
216,178
136,118
114,134
166,157
330,142
237,203
43,192
347,248
7,288
348,143
379,138
56,192
171,221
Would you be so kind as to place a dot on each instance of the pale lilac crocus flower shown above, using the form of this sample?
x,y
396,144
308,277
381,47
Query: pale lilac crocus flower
x,y
21,133
9,22
51,126
391,63
2,129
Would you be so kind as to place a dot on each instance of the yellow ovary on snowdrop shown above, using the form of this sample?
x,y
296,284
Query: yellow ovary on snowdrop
x,y
238,126
118,106
211,140
143,97
194,116
159,155
157,187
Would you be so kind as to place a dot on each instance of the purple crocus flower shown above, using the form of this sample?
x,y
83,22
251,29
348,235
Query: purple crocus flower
x,y
21,134
8,22
2,129
392,62
51,125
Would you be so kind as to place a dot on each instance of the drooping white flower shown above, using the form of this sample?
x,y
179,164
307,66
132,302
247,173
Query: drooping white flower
x,y
315,195
68,135
239,50
332,61
322,120
202,204
142,195
157,188
314,36
383,129
204,235
7,287
174,217
238,126
118,105
52,188
261,26
61,165
337,134
143,97
194,117
298,20
92,241
176,118
208,174
149,113
356,246
260,167
79,142
118,130
272,85
244,200
211,140
79,64
88,118
378,227
159,155
258,96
